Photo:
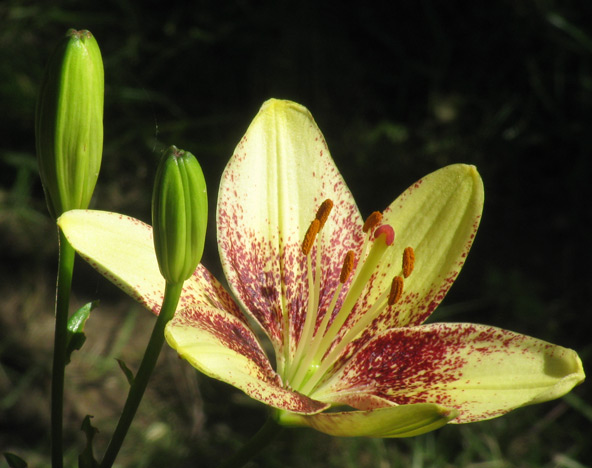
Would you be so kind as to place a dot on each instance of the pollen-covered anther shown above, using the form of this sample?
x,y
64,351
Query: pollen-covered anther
x,y
396,290
324,211
372,221
348,266
408,261
310,236
387,231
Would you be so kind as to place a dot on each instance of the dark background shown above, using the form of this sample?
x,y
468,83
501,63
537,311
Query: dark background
x,y
399,89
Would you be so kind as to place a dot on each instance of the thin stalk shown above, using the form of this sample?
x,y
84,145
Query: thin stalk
x,y
64,284
268,432
136,392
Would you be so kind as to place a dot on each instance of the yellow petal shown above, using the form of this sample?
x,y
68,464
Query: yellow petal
x,y
394,421
438,217
121,248
279,175
223,347
481,371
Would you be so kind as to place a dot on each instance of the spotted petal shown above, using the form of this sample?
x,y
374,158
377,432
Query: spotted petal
x,y
121,248
280,173
394,421
223,347
481,371
438,217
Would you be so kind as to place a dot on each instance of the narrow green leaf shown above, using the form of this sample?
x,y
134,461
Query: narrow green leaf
x,y
14,461
75,331
86,459
126,371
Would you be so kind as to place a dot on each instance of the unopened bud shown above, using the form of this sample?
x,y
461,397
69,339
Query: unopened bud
x,y
179,214
69,123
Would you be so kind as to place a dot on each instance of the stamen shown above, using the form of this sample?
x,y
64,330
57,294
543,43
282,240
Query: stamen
x,y
408,261
314,287
396,290
310,236
372,221
348,266
324,211
364,271
306,366
387,231
387,298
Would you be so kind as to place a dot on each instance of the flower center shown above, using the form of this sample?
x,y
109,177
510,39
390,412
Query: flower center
x,y
320,346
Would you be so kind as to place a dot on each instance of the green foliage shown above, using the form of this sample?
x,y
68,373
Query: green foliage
x,y
129,376
75,330
14,461
87,459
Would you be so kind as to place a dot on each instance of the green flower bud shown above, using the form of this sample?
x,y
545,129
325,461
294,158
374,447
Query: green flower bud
x,y
179,214
69,123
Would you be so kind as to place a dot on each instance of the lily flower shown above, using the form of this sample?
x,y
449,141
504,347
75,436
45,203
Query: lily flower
x,y
341,299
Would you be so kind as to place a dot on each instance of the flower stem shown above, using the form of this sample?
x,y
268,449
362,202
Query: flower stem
x,y
136,392
64,283
268,432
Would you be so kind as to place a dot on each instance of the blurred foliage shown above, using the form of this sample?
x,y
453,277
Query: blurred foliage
x,y
399,89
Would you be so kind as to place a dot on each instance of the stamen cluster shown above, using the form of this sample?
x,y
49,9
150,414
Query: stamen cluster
x,y
319,347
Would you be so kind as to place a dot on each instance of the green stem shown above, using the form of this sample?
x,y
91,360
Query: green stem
x,y
136,392
64,283
268,432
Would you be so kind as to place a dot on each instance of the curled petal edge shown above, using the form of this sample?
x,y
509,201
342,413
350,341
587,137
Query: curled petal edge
x,y
394,421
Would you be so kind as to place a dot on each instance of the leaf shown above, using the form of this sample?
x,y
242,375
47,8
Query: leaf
x,y
75,331
126,370
86,459
14,461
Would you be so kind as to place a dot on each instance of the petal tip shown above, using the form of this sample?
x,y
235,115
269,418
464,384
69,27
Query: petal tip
x,y
573,372
579,367
275,105
68,220
66,217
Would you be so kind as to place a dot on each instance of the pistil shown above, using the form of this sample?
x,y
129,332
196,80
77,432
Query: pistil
x,y
383,238
317,350
389,298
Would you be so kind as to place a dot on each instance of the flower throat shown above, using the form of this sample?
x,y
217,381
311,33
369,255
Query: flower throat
x,y
320,346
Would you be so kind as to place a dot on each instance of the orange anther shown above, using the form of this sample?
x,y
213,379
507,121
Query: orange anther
x,y
396,290
372,221
348,266
310,236
324,211
408,261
